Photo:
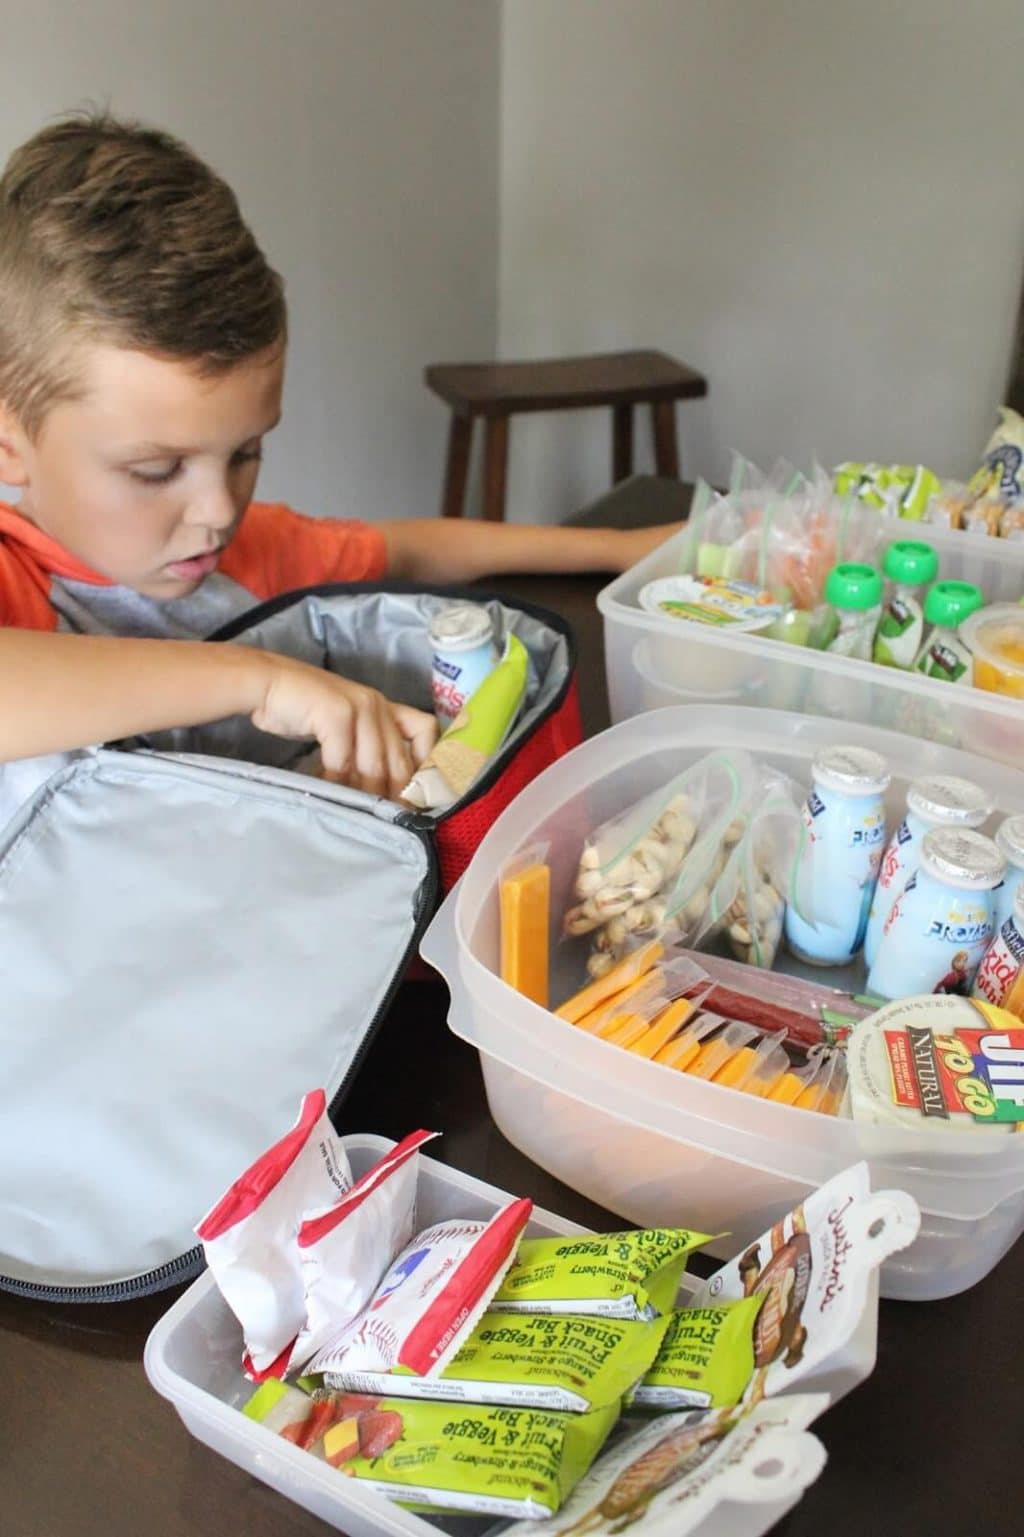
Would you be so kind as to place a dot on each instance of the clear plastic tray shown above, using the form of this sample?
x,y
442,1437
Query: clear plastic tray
x,y
654,660
663,1148
193,1359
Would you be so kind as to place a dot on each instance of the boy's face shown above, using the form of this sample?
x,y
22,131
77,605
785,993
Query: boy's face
x,y
147,475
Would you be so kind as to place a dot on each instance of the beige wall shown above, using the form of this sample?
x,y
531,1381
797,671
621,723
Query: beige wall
x,y
819,204
361,137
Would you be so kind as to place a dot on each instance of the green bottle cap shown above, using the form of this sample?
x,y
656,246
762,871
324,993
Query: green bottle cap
x,y
949,603
852,585
912,562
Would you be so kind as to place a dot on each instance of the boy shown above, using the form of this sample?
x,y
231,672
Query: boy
x,y
142,347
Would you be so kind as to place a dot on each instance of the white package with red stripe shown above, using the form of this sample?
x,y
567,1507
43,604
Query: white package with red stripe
x,y
346,1250
250,1236
429,1300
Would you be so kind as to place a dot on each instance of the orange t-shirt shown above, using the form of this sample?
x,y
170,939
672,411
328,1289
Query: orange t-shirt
x,y
43,587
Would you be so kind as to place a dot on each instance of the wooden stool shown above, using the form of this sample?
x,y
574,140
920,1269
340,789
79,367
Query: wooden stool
x,y
497,391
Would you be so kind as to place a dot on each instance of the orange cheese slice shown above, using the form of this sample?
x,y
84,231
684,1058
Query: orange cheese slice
x,y
525,903
739,1066
628,969
630,1028
679,1052
787,1091
661,1030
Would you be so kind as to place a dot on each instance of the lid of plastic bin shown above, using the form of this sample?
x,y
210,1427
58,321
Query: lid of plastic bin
x,y
1010,839
851,770
962,857
950,603
912,562
853,585
947,801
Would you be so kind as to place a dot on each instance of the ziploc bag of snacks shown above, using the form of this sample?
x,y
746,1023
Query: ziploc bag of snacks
x,y
1002,469
472,1459
813,1272
748,900
542,1361
475,734
672,1473
431,1296
634,869
250,1236
631,1275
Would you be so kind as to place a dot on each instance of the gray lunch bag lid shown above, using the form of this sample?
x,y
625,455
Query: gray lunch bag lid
x,y
241,931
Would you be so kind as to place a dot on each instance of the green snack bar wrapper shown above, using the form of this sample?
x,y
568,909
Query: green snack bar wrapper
x,y
541,1361
610,1275
706,1359
462,1459
475,734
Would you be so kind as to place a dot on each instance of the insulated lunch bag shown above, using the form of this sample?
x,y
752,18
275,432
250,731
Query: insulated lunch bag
x,y
192,935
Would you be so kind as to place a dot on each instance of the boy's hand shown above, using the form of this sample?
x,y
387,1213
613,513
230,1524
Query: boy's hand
x,y
366,741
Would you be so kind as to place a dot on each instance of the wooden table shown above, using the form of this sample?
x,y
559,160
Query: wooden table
x,y
927,1447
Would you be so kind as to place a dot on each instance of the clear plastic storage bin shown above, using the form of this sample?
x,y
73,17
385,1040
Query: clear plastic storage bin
x,y
193,1358
658,1146
654,660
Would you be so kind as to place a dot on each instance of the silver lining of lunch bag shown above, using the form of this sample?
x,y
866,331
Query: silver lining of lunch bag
x,y
378,639
184,951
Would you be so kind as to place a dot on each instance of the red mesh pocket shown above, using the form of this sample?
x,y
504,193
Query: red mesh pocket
x,y
459,836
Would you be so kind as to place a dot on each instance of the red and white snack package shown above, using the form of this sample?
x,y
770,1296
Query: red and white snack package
x,y
346,1250
429,1300
250,1235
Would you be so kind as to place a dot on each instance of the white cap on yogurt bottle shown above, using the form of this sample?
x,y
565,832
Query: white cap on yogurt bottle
x,y
851,771
959,856
1010,840
461,627
943,800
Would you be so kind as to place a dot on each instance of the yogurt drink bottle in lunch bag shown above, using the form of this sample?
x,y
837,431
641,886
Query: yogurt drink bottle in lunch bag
x,y
910,566
1010,843
844,822
940,925
944,654
465,653
1000,978
854,593
941,800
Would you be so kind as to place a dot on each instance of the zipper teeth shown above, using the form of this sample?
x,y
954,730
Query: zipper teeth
x,y
183,1268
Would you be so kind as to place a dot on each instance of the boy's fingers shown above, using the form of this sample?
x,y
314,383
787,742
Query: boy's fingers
x,y
377,745
417,728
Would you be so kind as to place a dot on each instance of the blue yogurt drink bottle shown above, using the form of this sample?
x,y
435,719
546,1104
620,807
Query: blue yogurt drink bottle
x,y
465,652
940,800
940,925
1010,843
844,819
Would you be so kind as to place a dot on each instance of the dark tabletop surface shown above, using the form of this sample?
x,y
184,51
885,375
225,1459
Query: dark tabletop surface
x,y
932,1442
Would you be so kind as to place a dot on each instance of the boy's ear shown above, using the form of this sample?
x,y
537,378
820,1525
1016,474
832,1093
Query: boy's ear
x,y
13,469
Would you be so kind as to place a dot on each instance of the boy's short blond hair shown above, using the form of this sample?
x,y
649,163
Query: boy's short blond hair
x,y
114,232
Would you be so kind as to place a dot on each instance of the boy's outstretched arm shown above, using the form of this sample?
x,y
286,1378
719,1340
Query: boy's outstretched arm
x,y
64,691
459,550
